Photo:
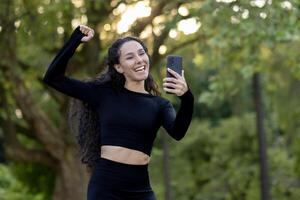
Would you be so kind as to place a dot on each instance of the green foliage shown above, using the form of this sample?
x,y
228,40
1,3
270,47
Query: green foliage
x,y
38,178
221,162
11,188
218,159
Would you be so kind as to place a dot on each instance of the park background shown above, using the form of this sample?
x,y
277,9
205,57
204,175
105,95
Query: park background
x,y
241,60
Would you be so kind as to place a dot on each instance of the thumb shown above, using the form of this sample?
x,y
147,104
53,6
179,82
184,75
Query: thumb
x,y
88,37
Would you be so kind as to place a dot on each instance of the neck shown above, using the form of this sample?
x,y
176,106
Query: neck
x,y
136,86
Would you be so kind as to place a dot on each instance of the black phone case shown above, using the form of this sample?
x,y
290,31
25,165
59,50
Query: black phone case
x,y
175,63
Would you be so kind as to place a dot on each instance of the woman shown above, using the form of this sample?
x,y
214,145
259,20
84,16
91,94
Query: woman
x,y
120,114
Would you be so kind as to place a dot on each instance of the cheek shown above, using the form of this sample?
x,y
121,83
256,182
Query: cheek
x,y
147,60
126,64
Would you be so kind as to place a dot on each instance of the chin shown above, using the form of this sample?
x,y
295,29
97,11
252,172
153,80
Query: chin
x,y
145,77
142,77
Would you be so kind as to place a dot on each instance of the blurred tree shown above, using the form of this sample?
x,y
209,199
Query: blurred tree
x,y
31,33
223,42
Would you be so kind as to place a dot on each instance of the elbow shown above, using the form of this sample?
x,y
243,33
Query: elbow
x,y
178,133
46,79
178,137
50,80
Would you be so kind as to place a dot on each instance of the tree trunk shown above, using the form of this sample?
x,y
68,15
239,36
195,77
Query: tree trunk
x,y
59,151
259,108
71,180
166,168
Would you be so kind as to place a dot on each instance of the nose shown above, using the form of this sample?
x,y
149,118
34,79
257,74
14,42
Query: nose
x,y
139,59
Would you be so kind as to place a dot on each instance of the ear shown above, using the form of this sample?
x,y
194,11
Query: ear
x,y
118,68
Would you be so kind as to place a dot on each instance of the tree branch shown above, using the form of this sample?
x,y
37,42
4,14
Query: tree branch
x,y
21,154
185,43
159,40
13,149
141,24
20,129
44,131
23,65
59,98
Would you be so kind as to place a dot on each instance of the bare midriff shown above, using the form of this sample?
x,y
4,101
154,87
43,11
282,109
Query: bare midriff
x,y
124,155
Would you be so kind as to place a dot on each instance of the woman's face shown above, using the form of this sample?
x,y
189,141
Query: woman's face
x,y
133,61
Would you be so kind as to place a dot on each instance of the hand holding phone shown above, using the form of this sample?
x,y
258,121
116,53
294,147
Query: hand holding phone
x,y
174,62
175,82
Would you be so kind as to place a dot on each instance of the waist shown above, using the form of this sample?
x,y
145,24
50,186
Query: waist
x,y
136,140
124,155
120,176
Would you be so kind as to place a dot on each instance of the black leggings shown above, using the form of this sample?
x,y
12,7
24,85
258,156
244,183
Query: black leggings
x,y
117,181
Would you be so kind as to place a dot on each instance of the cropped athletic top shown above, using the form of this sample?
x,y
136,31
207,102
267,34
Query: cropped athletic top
x,y
127,118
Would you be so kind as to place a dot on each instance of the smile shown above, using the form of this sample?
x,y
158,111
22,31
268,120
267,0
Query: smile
x,y
139,69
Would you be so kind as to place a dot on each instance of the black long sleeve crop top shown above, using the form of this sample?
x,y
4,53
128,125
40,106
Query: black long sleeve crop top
x,y
129,119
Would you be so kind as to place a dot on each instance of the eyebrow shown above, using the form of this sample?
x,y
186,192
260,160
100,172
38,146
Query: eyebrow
x,y
130,53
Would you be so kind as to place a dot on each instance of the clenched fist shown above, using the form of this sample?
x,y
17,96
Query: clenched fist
x,y
89,33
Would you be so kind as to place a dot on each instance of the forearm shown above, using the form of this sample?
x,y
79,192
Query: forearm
x,y
55,75
178,127
57,68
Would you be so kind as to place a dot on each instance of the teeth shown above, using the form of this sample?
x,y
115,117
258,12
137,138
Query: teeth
x,y
140,68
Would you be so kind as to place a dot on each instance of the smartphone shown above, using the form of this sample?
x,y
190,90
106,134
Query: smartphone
x,y
174,62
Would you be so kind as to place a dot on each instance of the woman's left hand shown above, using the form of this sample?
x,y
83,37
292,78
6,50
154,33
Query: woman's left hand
x,y
178,83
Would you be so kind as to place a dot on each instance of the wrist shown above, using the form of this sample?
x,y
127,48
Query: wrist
x,y
187,95
77,35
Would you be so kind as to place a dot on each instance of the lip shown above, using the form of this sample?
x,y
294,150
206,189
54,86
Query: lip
x,y
142,66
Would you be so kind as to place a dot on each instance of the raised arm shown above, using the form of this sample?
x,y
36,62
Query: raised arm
x,y
55,75
177,124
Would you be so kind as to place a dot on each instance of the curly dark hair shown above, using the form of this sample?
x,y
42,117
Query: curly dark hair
x,y
84,121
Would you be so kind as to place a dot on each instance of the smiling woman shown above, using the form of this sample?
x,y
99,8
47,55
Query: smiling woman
x,y
120,113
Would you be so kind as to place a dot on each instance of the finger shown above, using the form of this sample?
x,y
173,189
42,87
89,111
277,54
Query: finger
x,y
91,33
83,30
183,74
82,27
174,81
84,39
178,87
179,83
170,79
170,90
174,73
170,85
173,91
88,37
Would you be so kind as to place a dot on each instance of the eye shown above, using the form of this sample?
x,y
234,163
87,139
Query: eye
x,y
128,58
142,53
